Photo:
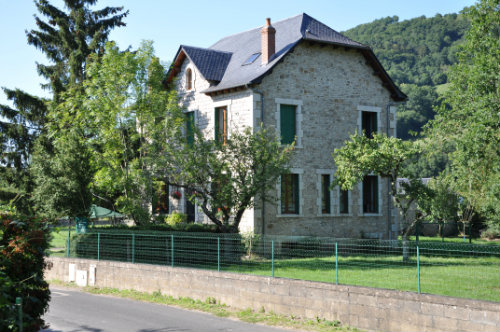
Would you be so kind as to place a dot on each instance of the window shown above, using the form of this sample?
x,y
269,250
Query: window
x,y
343,201
369,123
221,126
190,127
251,59
370,194
160,198
325,194
288,123
290,194
189,79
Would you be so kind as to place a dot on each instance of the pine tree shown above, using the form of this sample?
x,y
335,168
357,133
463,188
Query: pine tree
x,y
67,37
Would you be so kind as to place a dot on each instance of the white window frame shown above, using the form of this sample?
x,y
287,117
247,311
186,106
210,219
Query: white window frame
x,y
298,118
300,173
227,103
360,201
193,78
336,203
374,109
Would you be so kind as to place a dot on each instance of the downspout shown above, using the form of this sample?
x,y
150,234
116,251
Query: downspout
x,y
263,209
389,198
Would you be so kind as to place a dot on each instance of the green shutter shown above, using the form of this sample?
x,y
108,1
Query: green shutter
x,y
190,127
287,123
296,187
217,125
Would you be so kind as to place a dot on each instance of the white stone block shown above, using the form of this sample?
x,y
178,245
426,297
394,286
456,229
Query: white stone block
x,y
72,271
81,278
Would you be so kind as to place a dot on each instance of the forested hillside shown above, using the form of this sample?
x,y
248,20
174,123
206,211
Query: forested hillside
x,y
417,54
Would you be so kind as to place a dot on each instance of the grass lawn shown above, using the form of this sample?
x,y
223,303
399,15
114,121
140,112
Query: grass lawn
x,y
474,277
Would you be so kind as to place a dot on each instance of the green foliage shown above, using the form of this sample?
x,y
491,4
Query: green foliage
x,y
23,242
175,218
383,156
67,37
417,54
471,119
417,111
417,51
63,176
224,178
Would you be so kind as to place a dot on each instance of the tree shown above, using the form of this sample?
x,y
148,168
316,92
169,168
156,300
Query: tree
x,y
383,156
471,118
225,178
121,107
63,176
67,38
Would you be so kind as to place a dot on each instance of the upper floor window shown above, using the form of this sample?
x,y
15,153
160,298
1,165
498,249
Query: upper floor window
x,y
288,123
189,79
221,124
369,123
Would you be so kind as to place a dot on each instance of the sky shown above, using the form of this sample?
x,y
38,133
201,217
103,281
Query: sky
x,y
192,22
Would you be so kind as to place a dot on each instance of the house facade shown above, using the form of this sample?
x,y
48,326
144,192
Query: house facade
x,y
312,85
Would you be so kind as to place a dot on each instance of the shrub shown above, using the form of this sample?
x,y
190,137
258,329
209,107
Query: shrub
x,y
175,218
23,242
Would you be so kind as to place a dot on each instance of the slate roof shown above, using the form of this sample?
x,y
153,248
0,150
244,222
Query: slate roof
x,y
222,63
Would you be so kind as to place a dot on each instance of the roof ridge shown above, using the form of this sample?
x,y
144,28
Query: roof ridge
x,y
206,49
257,28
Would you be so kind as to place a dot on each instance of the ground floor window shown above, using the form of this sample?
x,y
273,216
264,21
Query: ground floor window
x,y
290,194
160,197
370,194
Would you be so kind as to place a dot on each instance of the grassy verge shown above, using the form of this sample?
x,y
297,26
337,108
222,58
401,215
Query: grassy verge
x,y
212,306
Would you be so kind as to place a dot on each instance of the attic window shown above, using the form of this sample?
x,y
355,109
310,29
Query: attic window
x,y
189,79
251,59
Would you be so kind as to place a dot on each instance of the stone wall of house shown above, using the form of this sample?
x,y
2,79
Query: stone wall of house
x,y
330,86
240,106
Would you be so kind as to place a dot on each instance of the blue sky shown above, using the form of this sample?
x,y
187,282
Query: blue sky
x,y
193,22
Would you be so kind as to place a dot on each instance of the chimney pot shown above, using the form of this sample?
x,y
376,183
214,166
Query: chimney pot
x,y
268,41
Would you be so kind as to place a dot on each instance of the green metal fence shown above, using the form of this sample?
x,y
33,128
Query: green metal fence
x,y
454,269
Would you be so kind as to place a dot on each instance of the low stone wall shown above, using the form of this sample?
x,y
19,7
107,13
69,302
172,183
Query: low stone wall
x,y
362,307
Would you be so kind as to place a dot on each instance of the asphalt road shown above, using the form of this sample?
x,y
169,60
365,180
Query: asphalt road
x,y
75,311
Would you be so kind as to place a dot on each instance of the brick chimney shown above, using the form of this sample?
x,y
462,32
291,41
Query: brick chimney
x,y
268,40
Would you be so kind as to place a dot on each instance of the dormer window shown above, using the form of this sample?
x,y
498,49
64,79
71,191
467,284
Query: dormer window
x,y
189,79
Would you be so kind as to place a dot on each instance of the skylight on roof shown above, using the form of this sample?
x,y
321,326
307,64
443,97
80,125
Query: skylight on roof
x,y
251,59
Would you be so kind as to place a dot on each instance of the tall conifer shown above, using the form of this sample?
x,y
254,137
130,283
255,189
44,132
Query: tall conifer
x,y
67,37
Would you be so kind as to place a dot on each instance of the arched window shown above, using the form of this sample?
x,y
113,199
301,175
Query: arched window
x,y
189,79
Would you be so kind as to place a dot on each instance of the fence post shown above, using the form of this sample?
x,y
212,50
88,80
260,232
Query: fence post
x,y
272,257
98,246
19,304
418,268
218,254
68,242
417,231
133,248
172,248
336,264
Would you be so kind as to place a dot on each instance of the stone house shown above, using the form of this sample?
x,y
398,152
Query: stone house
x,y
311,84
